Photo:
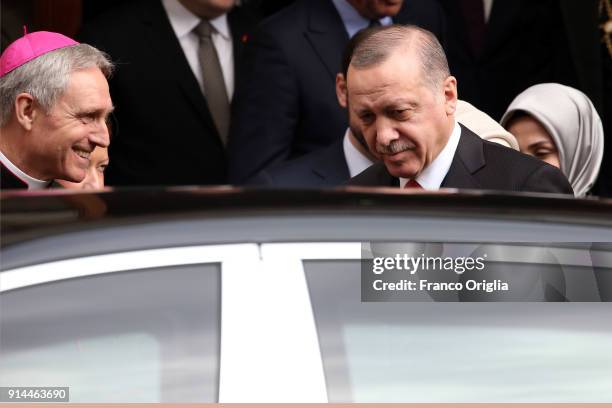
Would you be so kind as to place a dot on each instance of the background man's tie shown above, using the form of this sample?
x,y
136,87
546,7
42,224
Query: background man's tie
x,y
212,78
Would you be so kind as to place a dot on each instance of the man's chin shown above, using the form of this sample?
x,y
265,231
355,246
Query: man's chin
x,y
390,10
403,170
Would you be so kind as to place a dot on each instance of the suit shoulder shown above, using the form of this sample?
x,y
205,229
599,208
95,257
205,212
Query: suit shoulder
x,y
286,20
548,179
370,176
497,151
530,174
321,168
294,173
297,168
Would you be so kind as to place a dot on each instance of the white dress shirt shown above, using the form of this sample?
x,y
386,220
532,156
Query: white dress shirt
x,y
33,184
432,176
488,5
355,160
183,23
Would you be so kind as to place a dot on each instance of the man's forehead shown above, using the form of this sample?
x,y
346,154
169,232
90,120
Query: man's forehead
x,y
393,89
88,91
384,102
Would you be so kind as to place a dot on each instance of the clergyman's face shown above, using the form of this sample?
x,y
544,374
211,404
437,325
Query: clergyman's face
x,y
403,120
63,139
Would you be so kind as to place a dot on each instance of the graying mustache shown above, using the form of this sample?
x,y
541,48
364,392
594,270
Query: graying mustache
x,y
396,146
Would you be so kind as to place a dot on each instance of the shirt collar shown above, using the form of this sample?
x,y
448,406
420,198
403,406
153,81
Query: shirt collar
x,y
184,21
433,175
353,21
33,184
355,160
221,25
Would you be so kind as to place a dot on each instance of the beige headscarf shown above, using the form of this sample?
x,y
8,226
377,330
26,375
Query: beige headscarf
x,y
574,125
483,125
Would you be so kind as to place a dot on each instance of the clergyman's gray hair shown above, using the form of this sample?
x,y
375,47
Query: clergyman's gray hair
x,y
376,47
46,77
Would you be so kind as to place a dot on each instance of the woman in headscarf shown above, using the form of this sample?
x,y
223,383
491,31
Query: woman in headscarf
x,y
559,125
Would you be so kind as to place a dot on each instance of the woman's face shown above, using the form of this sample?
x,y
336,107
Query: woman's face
x,y
534,140
94,179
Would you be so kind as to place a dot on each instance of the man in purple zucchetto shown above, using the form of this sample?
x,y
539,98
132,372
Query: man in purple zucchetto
x,y
54,105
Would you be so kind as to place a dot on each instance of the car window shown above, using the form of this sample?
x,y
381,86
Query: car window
x,y
429,348
149,335
194,300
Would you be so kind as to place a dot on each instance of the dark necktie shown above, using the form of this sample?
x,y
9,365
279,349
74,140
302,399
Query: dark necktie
x,y
474,16
212,79
374,23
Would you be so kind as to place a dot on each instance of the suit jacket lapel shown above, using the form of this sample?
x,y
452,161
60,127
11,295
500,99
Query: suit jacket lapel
x,y
468,159
164,43
326,34
240,26
331,165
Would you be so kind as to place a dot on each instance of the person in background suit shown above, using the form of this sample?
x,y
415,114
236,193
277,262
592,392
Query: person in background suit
x,y
589,23
178,64
403,99
490,41
287,107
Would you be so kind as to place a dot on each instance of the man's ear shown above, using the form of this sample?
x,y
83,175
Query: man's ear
x,y
450,95
25,110
341,91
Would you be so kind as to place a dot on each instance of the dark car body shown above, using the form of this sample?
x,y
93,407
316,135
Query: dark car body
x,y
232,295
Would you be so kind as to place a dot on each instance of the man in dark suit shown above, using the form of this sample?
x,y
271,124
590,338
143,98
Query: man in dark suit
x,y
333,165
403,99
287,107
489,42
178,63
585,23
